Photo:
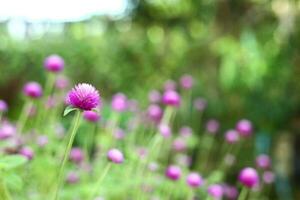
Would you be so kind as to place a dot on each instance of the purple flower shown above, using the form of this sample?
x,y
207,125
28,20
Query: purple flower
x,y
232,136
76,155
119,133
27,152
72,177
154,96
179,144
170,85
33,90
244,127
7,130
263,161
231,192
119,102
42,140
173,172
84,96
185,131
212,126
171,98
268,177
194,180
61,82
115,156
54,63
154,112
91,116
200,104
3,106
249,177
216,191
165,130
186,81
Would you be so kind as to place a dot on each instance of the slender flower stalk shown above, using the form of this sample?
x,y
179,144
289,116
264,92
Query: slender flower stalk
x,y
67,153
4,193
243,194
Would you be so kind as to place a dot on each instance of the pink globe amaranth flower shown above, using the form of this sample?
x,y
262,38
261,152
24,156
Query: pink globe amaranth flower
x,y
72,177
244,127
185,131
231,192
27,152
133,105
170,85
212,126
173,172
231,136
249,177
154,112
119,102
186,81
200,104
7,130
263,161
115,156
3,106
84,96
154,96
33,90
119,133
62,82
194,180
51,102
165,130
91,116
142,152
216,191
54,63
268,177
42,140
171,98
76,155
179,144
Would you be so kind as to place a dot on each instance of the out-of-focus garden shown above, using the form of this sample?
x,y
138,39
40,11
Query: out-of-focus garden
x,y
243,55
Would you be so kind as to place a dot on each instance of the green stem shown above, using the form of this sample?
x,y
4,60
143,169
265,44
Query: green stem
x,y
243,194
4,193
23,116
99,182
67,153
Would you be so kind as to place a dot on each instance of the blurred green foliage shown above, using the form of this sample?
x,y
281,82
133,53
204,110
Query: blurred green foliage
x,y
244,55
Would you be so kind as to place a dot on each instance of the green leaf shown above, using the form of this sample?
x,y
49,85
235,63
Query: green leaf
x,y
68,110
12,161
14,181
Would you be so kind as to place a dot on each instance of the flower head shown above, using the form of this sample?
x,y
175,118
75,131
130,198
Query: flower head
x,y
186,81
61,82
27,152
244,127
42,140
3,106
115,156
72,177
185,131
170,85
165,130
231,136
91,116
249,177
230,192
154,112
194,180
154,96
268,177
119,102
54,63
173,172
200,104
216,191
171,98
7,130
33,90
263,161
83,96
212,126
76,155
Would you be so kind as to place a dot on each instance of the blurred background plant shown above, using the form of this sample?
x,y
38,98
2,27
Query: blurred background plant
x,y
243,55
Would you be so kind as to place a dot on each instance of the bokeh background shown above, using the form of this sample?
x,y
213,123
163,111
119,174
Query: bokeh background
x,y
243,54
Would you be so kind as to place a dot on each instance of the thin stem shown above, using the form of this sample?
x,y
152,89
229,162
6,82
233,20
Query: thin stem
x,y
99,182
4,193
23,116
243,194
67,153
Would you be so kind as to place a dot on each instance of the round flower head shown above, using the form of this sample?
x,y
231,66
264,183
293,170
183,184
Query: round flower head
x,y
212,126
200,104
244,127
91,116
115,156
216,191
27,152
171,98
263,161
194,180
170,85
3,106
33,90
186,81
249,177
76,155
179,144
232,136
154,112
154,96
6,131
165,130
72,177
84,96
231,192
268,177
61,82
119,133
119,102
185,131
42,140
54,63
173,172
